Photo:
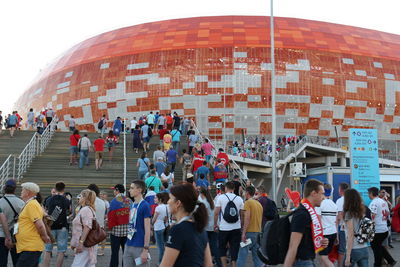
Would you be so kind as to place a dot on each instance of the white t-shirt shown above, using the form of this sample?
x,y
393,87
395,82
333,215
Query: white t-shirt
x,y
328,213
100,207
210,224
161,210
222,201
170,179
133,124
380,208
339,204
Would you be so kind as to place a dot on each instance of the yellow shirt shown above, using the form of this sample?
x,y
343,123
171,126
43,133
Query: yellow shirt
x,y
256,212
167,141
28,237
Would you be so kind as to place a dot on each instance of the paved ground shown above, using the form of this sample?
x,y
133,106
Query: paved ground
x,y
103,261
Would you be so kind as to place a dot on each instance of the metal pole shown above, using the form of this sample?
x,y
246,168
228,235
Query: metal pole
x,y
224,128
274,193
125,152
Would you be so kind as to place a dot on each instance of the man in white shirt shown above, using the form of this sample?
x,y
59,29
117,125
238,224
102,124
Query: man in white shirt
x,y
71,124
339,221
328,212
161,122
158,154
31,119
380,214
84,148
133,124
229,231
150,119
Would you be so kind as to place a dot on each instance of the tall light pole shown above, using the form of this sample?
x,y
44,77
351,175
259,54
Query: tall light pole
x,y
274,183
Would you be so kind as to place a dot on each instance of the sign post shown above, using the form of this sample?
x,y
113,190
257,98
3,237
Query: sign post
x,y
364,161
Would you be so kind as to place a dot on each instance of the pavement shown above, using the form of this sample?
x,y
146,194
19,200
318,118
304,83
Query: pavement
x,y
103,261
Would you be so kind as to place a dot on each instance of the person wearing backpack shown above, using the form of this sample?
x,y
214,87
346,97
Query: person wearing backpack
x,y
252,219
58,207
269,207
11,206
101,125
229,225
380,214
143,165
306,237
354,211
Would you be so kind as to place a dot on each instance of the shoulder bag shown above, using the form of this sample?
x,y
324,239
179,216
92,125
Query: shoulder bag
x,y
95,235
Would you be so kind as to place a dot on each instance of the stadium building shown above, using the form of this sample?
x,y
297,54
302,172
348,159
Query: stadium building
x,y
217,70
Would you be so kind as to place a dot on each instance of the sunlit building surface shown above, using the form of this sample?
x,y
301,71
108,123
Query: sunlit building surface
x,y
217,70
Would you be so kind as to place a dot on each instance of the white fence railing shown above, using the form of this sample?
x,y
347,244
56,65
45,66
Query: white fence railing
x,y
234,167
7,169
15,166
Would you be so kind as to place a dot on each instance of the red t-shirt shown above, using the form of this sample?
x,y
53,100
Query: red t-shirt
x,y
73,139
162,132
197,162
99,144
169,120
224,158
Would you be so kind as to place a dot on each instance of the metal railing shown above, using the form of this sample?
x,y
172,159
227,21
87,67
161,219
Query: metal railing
x,y
234,167
15,166
7,170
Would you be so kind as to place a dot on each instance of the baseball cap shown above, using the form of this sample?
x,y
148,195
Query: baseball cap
x,y
189,175
160,158
11,182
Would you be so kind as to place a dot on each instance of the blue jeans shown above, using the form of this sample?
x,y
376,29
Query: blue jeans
x,y
116,243
142,174
61,237
83,158
175,145
253,247
304,263
160,244
213,241
359,257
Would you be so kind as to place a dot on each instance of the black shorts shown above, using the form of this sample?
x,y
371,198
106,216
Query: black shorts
x,y
328,249
233,239
151,126
160,127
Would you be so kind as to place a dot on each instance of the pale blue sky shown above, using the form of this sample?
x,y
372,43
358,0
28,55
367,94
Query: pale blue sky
x,y
35,32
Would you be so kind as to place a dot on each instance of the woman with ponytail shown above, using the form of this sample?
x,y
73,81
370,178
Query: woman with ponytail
x,y
186,244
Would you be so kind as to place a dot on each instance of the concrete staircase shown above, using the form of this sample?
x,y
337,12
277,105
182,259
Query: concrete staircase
x,y
13,145
53,165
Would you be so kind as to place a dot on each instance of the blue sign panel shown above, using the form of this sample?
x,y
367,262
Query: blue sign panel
x,y
364,160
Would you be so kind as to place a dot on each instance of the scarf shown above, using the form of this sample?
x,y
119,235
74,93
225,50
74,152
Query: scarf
x,y
118,213
316,226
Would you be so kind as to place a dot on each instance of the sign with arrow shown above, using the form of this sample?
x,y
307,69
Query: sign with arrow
x,y
364,161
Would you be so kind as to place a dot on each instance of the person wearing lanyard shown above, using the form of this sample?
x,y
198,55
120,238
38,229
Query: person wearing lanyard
x,y
137,245
186,243
30,229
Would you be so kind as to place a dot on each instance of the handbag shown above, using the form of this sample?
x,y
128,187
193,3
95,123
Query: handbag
x,y
95,235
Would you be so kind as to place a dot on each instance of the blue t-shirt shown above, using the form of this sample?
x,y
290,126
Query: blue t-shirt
x,y
145,131
143,212
202,183
203,169
176,135
117,128
160,167
12,120
171,156
142,164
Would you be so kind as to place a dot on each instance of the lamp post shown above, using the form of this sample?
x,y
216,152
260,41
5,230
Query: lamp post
x,y
274,182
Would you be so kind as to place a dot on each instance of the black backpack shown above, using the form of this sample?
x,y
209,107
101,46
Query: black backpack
x,y
231,213
270,211
100,124
274,240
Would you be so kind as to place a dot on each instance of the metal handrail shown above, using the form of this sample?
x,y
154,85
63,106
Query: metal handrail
x,y
27,155
36,146
235,169
7,169
46,136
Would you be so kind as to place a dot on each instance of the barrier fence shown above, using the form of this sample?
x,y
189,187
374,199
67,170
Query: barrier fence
x,y
16,165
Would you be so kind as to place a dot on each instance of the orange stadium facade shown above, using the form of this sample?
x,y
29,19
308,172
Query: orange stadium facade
x,y
217,70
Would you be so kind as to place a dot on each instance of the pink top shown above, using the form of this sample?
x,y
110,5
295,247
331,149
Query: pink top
x,y
86,214
207,148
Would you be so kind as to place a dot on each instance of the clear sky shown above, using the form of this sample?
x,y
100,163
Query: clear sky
x,y
33,33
